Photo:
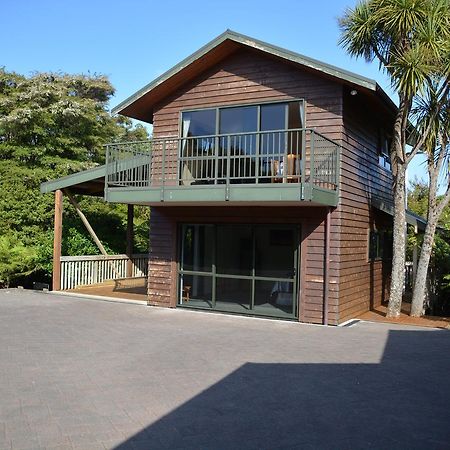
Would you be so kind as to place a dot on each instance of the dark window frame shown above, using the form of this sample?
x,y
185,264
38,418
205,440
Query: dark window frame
x,y
384,144
380,244
214,274
301,101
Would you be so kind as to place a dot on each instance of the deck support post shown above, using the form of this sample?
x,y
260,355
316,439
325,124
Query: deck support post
x,y
57,241
130,240
90,229
326,269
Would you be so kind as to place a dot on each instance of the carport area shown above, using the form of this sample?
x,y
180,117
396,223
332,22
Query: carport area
x,y
92,374
114,276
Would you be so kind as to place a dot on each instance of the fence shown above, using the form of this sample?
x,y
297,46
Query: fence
x,y
93,269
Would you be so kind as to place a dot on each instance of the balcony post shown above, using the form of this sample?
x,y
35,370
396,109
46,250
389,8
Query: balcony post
x,y
163,168
227,185
303,165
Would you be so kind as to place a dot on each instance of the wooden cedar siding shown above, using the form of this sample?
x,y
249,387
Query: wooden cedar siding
x,y
162,260
248,76
162,289
362,284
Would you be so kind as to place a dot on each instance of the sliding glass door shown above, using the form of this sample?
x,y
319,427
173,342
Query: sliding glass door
x,y
250,269
241,144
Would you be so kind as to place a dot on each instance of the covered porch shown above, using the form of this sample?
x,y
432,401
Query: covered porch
x,y
122,276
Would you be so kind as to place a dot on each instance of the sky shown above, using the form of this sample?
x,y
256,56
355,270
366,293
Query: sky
x,y
135,41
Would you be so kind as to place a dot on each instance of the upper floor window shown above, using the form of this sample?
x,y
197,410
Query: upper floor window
x,y
242,143
384,143
243,119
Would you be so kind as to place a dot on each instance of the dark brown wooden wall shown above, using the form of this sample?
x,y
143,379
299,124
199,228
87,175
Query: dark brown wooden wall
x,y
163,272
248,76
361,283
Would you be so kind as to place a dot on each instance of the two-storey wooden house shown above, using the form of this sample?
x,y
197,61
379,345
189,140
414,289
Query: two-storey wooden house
x,y
269,182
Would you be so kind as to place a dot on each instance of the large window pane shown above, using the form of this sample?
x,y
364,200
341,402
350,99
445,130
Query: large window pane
x,y
199,123
255,268
234,250
273,117
273,145
197,249
233,294
241,168
295,115
274,297
196,290
275,247
238,120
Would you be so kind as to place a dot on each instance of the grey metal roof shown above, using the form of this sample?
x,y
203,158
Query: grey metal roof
x,y
306,61
411,218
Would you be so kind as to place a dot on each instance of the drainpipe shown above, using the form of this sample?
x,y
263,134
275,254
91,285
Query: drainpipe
x,y
326,269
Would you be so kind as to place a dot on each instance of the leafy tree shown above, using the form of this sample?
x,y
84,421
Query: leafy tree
x,y
409,39
418,198
52,125
436,147
15,259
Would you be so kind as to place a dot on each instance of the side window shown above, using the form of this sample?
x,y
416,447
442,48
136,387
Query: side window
x,y
384,143
380,245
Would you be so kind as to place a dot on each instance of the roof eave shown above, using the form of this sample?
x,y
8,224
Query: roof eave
x,y
288,55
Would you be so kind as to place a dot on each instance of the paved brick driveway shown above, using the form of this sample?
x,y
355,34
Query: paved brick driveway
x,y
87,374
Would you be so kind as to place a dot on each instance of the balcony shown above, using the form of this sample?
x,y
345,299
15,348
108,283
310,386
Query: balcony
x,y
298,165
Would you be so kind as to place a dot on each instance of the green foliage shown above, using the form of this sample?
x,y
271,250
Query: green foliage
x,y
409,38
418,197
418,203
52,125
15,259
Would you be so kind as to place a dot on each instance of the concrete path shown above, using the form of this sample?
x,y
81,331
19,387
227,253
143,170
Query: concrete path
x,y
79,373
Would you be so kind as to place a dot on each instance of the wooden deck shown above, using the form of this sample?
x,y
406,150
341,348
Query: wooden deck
x,y
124,288
378,314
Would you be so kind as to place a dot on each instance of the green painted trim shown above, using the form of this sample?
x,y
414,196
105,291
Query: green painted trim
x,y
259,45
324,196
73,179
388,208
279,192
133,195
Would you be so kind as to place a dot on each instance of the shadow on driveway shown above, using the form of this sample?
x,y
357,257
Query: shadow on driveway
x,y
402,402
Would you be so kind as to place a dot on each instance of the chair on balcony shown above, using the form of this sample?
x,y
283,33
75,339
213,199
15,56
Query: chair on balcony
x,y
292,171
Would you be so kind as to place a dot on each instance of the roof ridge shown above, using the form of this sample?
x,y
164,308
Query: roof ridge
x,y
242,39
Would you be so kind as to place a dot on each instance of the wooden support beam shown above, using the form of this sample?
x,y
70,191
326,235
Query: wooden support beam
x,y
89,228
57,241
130,240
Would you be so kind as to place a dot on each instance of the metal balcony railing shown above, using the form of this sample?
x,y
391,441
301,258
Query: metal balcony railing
x,y
280,156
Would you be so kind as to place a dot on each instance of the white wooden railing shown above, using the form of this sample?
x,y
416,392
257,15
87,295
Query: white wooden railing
x,y
409,276
93,269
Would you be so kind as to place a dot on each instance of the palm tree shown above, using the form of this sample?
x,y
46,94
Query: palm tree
x,y
405,37
437,148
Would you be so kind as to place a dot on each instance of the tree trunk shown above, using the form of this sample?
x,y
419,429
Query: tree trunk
x,y
420,283
399,235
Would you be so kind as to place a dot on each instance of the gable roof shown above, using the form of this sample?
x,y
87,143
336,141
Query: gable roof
x,y
140,104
